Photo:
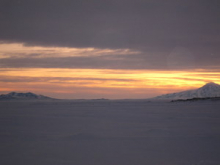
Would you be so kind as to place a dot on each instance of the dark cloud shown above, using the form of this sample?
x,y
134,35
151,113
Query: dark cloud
x,y
102,23
98,62
156,27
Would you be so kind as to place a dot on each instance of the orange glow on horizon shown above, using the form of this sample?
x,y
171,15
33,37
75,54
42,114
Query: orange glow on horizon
x,y
137,81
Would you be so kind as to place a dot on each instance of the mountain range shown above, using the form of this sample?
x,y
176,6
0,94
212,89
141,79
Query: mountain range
x,y
22,96
209,90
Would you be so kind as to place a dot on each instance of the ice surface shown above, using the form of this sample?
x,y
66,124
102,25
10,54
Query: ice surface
x,y
109,133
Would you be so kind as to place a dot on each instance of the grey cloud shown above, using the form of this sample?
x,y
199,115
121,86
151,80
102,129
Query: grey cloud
x,y
102,23
98,62
137,61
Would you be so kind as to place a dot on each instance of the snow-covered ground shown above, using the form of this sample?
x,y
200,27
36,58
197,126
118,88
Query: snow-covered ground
x,y
105,132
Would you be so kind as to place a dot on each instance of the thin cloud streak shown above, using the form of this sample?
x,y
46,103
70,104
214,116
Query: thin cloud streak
x,y
19,50
58,79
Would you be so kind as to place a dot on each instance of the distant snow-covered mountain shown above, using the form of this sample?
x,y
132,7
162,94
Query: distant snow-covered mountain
x,y
22,96
209,90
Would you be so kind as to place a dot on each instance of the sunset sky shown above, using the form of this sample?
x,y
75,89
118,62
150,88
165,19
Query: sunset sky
x,y
88,49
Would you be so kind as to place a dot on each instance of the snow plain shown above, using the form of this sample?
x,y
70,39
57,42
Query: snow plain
x,y
105,132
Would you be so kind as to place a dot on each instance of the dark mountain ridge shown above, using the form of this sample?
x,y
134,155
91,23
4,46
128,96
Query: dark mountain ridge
x,y
23,96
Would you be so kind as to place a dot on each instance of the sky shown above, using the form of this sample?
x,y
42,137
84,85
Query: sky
x,y
88,49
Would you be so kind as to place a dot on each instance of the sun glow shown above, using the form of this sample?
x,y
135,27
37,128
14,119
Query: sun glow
x,y
67,80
